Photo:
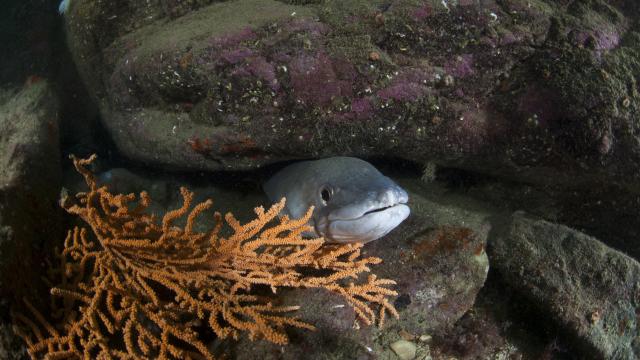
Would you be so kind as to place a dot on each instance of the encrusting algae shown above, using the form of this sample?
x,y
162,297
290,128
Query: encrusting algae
x,y
130,287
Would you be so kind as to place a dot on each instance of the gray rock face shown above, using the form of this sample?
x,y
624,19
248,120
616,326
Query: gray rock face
x,y
590,290
439,273
30,179
536,90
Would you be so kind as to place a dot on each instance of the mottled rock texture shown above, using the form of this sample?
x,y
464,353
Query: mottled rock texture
x,y
439,273
30,178
590,290
536,90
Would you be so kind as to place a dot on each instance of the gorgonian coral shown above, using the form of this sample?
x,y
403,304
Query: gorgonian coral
x,y
133,287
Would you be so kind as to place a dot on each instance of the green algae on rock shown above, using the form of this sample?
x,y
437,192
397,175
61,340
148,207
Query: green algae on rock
x,y
591,291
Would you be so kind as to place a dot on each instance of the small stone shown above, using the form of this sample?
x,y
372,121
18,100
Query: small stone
x,y
425,338
374,56
595,317
406,350
406,335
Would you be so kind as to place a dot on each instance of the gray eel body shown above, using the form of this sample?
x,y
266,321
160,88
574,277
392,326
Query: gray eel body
x,y
353,201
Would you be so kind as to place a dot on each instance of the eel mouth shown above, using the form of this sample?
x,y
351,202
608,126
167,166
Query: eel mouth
x,y
370,226
378,209
382,208
357,212
369,204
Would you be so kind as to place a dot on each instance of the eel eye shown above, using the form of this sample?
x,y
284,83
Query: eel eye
x,y
325,194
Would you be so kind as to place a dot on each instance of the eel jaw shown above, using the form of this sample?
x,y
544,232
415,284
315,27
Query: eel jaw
x,y
370,226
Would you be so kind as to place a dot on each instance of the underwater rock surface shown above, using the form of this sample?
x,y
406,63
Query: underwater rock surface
x,y
439,272
590,290
535,90
30,179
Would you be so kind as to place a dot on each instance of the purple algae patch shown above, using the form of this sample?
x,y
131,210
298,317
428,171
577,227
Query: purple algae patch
x,y
401,92
461,66
237,55
470,131
259,67
361,108
344,70
606,39
360,105
510,38
314,80
406,86
232,39
422,12
538,102
313,28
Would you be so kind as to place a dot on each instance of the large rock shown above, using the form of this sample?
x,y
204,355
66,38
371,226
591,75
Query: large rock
x,y
439,273
30,177
591,291
539,90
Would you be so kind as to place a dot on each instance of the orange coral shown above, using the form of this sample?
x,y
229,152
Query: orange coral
x,y
131,287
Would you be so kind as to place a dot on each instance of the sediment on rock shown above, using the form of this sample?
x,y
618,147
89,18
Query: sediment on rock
x,y
590,290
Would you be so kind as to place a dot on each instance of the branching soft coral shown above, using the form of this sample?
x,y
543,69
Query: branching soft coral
x,y
131,287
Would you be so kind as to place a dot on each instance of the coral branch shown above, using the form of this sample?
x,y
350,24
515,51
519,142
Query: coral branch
x,y
135,288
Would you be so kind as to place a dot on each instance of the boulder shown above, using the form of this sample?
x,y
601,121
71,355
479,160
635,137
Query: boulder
x,y
588,289
30,179
439,272
533,90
